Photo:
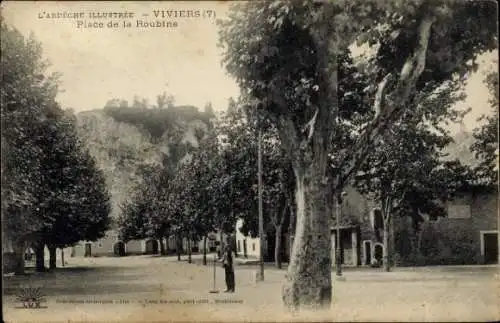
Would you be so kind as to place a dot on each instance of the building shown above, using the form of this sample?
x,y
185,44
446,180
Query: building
x,y
246,245
468,234
360,241
111,245
249,246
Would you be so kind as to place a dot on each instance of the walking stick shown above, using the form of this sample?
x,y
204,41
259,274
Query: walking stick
x,y
214,290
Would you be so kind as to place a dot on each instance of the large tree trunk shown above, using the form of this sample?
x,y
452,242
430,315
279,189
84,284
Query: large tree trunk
x,y
309,283
52,256
40,257
277,247
205,250
162,247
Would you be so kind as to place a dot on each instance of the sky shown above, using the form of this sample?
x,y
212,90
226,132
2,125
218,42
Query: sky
x,y
99,64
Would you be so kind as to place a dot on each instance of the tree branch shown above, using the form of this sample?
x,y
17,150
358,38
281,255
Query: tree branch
x,y
400,200
409,75
310,125
380,95
282,219
290,139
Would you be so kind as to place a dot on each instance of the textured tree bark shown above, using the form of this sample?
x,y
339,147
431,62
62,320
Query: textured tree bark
x,y
205,250
52,256
277,247
308,283
40,258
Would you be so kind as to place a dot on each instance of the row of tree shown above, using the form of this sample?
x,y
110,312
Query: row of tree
x,y
53,194
207,189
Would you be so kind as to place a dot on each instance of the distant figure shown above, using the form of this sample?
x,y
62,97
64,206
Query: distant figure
x,y
227,263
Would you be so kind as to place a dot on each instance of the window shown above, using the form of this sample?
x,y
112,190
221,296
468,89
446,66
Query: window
x,y
253,246
99,244
459,211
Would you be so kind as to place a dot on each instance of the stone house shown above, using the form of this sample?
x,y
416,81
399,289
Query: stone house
x,y
468,234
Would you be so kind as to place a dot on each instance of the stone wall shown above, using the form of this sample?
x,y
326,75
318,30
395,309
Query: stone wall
x,y
456,238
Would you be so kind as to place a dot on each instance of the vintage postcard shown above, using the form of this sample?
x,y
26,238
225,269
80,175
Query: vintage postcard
x,y
232,161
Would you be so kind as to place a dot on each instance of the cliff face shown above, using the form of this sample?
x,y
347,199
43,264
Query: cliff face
x,y
122,149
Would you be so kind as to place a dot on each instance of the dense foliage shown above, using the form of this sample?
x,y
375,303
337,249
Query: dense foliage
x,y
156,120
52,192
485,146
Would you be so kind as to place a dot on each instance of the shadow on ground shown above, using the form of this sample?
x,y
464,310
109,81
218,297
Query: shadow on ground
x,y
80,281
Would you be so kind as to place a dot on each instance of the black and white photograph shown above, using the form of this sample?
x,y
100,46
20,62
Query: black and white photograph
x,y
250,161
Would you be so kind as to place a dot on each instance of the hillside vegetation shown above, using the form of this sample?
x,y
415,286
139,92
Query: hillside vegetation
x,y
128,141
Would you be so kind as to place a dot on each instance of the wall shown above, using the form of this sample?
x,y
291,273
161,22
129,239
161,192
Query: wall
x,y
105,246
135,247
253,244
211,243
456,238
485,218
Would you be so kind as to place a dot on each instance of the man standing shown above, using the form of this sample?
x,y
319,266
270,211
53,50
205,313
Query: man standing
x,y
227,262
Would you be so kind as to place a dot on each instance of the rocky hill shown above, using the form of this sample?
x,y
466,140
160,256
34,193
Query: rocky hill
x,y
123,148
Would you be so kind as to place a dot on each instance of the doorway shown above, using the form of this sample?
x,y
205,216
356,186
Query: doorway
x,y
378,251
88,250
151,247
119,249
367,246
489,247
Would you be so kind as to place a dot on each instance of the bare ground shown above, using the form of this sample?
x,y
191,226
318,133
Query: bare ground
x,y
146,288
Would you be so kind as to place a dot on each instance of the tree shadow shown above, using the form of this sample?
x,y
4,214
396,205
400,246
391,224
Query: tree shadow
x,y
78,281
